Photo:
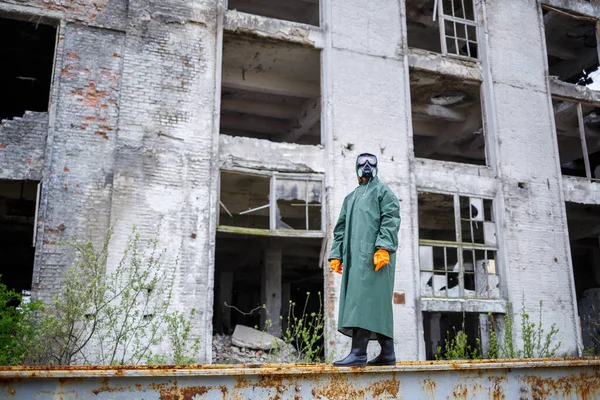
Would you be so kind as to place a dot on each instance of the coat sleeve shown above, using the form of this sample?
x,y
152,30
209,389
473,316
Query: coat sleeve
x,y
337,248
389,207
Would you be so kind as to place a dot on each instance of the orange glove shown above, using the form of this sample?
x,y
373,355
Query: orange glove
x,y
336,265
381,258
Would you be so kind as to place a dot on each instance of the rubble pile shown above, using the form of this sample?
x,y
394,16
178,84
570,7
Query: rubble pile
x,y
249,346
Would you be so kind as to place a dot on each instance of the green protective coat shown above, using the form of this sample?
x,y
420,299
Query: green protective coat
x,y
369,220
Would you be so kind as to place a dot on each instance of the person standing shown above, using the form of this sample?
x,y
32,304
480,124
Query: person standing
x,y
365,239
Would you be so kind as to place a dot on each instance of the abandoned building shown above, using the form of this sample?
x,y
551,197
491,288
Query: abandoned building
x,y
240,121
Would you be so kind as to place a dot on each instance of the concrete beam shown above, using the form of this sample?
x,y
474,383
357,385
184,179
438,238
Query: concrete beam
x,y
573,92
265,82
294,32
439,64
273,110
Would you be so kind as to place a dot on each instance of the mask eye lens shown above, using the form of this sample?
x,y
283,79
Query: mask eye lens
x,y
364,159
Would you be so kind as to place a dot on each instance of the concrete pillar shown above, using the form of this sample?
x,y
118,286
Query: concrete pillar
x,y
225,296
286,296
484,329
270,286
435,332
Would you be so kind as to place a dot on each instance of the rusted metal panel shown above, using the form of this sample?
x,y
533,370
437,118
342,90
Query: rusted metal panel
x,y
500,379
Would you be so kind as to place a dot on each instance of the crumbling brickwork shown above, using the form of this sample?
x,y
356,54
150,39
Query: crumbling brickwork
x,y
23,146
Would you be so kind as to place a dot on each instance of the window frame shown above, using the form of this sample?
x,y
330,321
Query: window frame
x,y
273,231
583,140
461,247
439,5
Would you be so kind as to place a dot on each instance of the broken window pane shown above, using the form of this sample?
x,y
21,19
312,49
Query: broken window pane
x,y
26,70
303,11
571,45
298,204
270,90
244,200
315,189
481,279
439,271
472,219
447,118
436,216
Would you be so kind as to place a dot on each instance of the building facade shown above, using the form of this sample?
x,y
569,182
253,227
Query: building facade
x,y
238,123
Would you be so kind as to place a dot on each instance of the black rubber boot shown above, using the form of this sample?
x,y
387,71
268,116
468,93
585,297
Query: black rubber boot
x,y
387,355
358,353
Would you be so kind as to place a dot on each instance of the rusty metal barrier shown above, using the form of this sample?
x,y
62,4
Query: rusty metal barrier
x,y
534,379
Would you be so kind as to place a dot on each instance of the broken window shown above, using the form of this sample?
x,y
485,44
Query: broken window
x,y
571,45
17,231
443,26
270,90
578,136
584,237
303,11
26,67
273,203
447,118
457,247
440,328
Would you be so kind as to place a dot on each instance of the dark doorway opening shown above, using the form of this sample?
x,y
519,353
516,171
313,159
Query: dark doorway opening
x,y
584,237
240,276
17,225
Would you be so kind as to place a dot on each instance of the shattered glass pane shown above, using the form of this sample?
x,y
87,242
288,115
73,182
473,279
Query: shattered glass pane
x,y
471,217
298,204
314,205
244,200
439,273
493,278
426,283
291,209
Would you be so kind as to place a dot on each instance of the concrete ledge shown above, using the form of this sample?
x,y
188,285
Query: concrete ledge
x,y
581,190
463,305
572,91
435,62
239,22
237,152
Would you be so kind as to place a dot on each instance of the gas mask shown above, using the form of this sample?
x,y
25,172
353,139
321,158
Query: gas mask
x,y
366,166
